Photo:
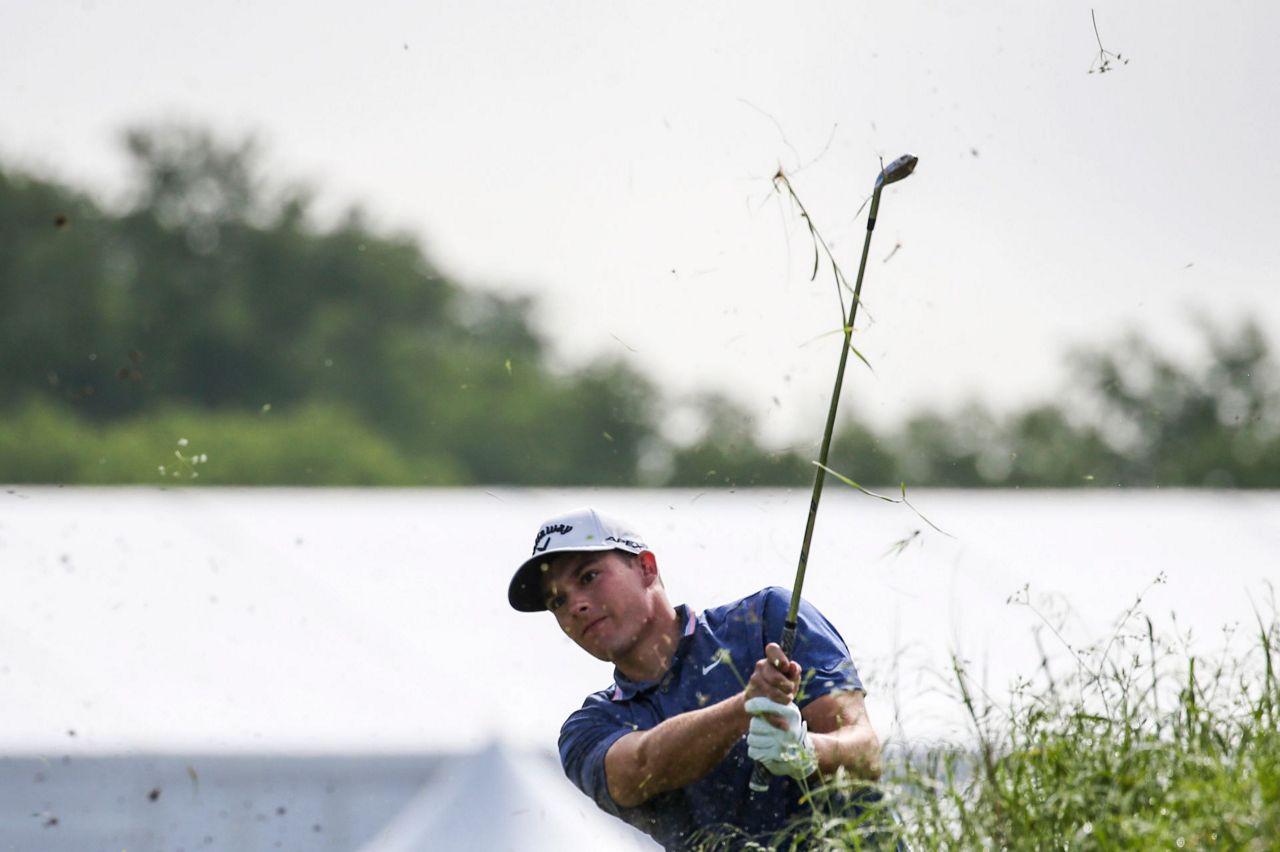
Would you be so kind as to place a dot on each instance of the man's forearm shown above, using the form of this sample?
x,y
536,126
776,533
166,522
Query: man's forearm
x,y
842,734
676,752
857,749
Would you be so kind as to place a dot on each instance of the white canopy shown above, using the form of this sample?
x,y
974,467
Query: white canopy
x,y
498,800
323,621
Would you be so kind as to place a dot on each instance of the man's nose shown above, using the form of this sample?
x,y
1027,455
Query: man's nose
x,y
578,602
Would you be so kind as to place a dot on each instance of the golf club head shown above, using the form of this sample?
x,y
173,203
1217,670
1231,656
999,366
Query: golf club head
x,y
897,170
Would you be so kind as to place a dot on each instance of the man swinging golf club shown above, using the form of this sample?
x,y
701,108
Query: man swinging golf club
x,y
697,697
663,748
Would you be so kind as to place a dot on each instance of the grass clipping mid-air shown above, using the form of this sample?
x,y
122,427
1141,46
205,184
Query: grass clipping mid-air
x,y
820,250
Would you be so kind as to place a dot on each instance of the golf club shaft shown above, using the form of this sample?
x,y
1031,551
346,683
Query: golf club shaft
x,y
896,171
820,475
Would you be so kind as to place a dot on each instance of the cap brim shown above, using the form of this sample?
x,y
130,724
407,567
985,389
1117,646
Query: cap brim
x,y
525,592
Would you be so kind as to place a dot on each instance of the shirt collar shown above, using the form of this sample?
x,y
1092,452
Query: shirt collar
x,y
624,688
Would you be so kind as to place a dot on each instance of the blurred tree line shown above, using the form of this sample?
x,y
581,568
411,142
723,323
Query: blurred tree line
x,y
211,308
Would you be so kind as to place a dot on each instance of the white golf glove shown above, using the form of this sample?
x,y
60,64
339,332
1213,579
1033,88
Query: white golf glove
x,y
788,752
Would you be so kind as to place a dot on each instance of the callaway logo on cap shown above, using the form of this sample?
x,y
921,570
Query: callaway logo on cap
x,y
543,541
581,529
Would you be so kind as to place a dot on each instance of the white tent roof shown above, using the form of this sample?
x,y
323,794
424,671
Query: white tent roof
x,y
498,800
306,621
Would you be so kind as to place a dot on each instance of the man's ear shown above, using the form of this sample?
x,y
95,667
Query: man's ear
x,y
648,567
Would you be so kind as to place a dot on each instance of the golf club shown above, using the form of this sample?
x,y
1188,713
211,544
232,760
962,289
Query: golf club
x,y
892,173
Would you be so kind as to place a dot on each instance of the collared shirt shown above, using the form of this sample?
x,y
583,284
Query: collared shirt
x,y
713,661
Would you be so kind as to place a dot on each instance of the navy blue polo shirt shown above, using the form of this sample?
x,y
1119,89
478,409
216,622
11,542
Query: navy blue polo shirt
x,y
700,676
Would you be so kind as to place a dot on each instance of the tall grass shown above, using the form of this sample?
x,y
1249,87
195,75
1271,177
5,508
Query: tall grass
x,y
1141,743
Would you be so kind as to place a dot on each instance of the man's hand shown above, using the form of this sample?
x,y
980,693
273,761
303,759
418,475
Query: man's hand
x,y
779,738
777,735
775,677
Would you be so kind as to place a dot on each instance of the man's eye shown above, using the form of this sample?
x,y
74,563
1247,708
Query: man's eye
x,y
588,576
555,603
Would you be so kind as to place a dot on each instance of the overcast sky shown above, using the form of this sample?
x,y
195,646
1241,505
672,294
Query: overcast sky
x,y
614,160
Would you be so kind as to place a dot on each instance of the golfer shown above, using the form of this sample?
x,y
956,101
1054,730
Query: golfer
x,y
697,697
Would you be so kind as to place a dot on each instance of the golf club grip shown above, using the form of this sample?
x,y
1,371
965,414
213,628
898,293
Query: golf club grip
x,y
760,777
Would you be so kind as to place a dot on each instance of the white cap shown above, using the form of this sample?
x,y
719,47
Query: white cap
x,y
581,529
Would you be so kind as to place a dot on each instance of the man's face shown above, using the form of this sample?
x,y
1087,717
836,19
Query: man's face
x,y
600,599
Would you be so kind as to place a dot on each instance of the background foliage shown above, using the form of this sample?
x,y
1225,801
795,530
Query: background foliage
x,y
211,308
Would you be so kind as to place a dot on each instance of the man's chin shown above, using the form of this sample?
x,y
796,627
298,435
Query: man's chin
x,y
600,654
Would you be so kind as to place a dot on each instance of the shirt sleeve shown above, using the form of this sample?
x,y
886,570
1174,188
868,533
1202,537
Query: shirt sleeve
x,y
585,738
819,649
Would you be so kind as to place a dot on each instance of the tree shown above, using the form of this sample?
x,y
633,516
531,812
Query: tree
x,y
726,452
213,290
1216,423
